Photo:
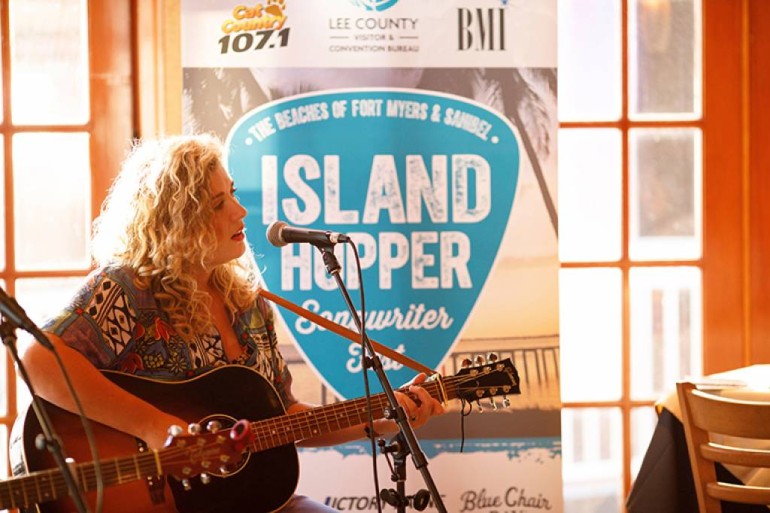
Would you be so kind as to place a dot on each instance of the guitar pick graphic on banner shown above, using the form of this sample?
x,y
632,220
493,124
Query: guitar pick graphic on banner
x,y
422,182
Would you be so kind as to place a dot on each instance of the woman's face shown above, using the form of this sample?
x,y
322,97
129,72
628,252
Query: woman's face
x,y
227,217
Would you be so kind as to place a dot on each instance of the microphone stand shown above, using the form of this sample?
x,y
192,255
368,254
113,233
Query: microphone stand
x,y
398,498
395,412
48,439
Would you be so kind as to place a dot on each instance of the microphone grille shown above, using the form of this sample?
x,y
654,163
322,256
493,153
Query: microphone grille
x,y
273,233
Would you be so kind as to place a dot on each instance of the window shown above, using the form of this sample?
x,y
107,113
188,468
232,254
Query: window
x,y
662,198
631,222
67,121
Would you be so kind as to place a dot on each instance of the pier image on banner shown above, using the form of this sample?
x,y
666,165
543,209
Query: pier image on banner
x,y
425,130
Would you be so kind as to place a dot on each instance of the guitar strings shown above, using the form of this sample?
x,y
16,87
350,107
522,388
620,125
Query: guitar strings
x,y
50,484
316,421
278,431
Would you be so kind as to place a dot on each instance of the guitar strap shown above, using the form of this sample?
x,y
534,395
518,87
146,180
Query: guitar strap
x,y
345,332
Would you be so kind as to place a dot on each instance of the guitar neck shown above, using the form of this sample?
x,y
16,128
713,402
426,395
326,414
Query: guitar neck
x,y
47,485
310,423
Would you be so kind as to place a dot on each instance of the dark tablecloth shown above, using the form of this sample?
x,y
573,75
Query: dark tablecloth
x,y
664,483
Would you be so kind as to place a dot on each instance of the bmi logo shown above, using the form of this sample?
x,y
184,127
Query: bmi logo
x,y
480,29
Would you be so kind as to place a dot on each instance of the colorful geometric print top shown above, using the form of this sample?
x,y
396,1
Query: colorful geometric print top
x,y
119,326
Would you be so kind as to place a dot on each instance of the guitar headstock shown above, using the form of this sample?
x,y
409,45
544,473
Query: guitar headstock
x,y
204,453
487,379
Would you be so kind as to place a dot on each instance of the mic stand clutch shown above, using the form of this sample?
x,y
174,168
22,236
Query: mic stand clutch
x,y
395,412
48,439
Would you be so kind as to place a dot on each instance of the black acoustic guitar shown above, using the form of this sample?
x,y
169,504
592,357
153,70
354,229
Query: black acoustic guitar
x,y
265,477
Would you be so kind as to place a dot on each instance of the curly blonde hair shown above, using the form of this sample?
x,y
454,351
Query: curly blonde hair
x,y
156,220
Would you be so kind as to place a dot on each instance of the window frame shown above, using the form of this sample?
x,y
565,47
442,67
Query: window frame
x,y
736,199
110,127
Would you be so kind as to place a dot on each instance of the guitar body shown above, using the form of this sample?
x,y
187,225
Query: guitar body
x,y
264,482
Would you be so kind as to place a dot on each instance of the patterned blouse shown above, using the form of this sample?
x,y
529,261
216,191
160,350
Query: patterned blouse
x,y
118,326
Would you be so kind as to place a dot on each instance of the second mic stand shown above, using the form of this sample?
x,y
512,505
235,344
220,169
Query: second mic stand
x,y
48,438
396,412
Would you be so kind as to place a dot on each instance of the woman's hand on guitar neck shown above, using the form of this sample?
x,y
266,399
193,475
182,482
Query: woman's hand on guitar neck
x,y
428,405
418,408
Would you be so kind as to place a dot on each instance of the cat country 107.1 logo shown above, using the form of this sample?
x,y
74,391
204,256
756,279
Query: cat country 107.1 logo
x,y
257,27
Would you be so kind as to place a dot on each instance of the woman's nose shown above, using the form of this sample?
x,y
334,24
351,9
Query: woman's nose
x,y
240,210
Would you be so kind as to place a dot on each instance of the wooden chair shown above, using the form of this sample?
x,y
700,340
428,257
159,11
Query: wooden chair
x,y
704,413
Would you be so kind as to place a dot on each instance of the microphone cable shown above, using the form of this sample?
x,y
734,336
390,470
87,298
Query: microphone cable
x,y
86,422
365,367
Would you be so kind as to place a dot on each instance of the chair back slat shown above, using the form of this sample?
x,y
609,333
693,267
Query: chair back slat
x,y
747,419
737,493
739,424
736,455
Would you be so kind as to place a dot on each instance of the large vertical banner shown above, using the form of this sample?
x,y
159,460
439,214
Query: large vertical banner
x,y
424,130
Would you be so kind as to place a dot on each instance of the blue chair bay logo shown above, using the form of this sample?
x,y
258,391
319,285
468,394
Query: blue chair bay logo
x,y
423,183
374,5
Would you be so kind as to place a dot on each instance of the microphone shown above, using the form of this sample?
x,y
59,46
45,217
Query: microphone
x,y
12,311
280,234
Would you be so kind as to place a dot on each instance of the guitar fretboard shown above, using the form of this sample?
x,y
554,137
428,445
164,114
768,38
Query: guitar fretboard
x,y
287,429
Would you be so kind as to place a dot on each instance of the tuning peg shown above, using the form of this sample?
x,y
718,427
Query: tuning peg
x,y
479,360
205,478
492,357
194,428
493,403
479,407
175,430
213,426
186,485
506,401
466,363
224,470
